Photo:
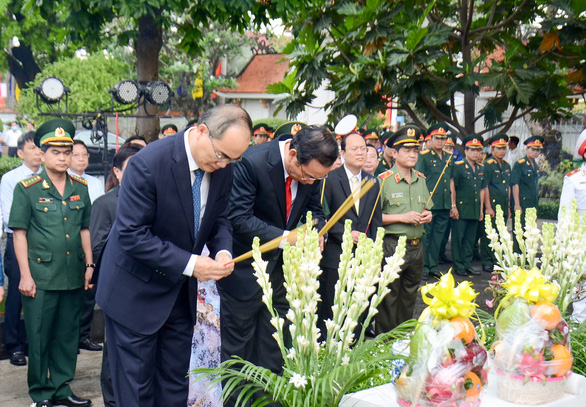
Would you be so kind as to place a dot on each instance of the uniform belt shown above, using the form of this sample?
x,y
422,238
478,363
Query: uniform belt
x,y
410,242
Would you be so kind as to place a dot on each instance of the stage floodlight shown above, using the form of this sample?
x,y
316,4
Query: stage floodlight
x,y
51,90
126,92
158,93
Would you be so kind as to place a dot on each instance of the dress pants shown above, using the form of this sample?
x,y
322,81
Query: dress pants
x,y
246,329
52,324
434,234
14,335
151,370
463,238
87,315
398,305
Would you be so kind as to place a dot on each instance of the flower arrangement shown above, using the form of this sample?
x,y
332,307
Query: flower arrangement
x,y
532,347
447,365
558,250
318,372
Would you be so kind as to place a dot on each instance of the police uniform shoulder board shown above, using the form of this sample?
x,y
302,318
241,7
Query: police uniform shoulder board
x,y
78,179
460,162
27,182
385,174
521,161
491,161
573,172
422,175
425,152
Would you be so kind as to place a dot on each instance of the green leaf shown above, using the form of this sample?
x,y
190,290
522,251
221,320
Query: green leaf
x,y
414,37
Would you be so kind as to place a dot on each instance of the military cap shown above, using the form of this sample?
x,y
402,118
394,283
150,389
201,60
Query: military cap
x,y
439,129
191,123
427,138
385,135
370,134
169,129
406,136
289,128
55,132
451,140
580,145
329,127
421,138
473,141
261,128
534,141
498,140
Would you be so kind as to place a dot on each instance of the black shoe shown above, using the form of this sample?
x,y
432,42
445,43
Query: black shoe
x,y
462,273
473,272
488,269
87,344
44,403
73,401
425,276
435,274
369,333
18,359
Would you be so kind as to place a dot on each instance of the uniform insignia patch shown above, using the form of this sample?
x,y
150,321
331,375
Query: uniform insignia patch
x,y
78,179
31,181
46,184
45,200
422,175
75,198
397,195
385,174
398,178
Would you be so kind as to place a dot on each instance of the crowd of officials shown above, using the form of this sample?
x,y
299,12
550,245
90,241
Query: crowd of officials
x,y
138,247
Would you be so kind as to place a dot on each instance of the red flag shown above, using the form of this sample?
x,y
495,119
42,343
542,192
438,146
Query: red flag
x,y
219,69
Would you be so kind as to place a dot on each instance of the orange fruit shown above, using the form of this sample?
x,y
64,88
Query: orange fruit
x,y
561,362
464,329
546,314
472,385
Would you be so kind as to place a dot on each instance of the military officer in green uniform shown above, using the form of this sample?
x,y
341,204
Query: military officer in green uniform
x,y
497,175
468,191
50,217
384,158
525,179
434,163
404,195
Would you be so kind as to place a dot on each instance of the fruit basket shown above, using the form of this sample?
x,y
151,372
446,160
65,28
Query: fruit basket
x,y
447,365
532,353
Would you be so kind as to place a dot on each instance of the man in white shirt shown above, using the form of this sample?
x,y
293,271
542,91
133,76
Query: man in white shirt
x,y
514,153
79,163
13,331
11,139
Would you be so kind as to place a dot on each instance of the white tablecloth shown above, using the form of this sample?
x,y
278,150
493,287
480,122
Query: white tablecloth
x,y
384,396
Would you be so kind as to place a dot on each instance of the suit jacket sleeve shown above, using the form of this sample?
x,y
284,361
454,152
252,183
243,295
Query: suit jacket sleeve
x,y
221,234
242,200
101,223
136,213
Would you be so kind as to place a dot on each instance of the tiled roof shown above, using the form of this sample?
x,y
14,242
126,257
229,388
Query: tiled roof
x,y
262,70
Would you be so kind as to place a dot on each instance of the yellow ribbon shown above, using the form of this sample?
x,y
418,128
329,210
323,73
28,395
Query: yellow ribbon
x,y
446,301
529,285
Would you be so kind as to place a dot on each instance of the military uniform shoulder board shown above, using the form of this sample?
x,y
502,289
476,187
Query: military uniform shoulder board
x,y
521,161
425,152
569,174
385,174
27,182
505,161
81,180
422,175
480,165
459,162
491,161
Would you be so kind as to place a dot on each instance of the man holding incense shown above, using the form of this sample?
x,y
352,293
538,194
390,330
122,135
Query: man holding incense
x,y
275,185
405,208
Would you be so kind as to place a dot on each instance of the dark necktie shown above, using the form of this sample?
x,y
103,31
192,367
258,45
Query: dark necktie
x,y
288,195
196,192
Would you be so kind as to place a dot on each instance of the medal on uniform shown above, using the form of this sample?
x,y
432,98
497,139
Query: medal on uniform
x,y
75,198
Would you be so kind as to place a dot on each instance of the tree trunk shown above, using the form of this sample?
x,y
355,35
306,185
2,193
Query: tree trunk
x,y
22,65
148,46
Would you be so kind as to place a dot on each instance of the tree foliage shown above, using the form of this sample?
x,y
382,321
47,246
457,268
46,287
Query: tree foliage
x,y
88,79
435,57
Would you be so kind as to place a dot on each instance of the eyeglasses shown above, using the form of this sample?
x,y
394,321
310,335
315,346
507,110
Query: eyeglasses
x,y
220,156
305,178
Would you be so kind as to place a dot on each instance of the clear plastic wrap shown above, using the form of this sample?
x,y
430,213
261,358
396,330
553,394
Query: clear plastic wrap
x,y
532,352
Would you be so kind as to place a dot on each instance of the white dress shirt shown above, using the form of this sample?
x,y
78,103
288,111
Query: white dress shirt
x,y
574,188
7,185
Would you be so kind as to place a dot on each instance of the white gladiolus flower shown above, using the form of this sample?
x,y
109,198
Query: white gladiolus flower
x,y
298,380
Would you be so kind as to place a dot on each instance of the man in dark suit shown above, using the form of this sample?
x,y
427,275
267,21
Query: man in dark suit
x,y
173,202
274,186
341,183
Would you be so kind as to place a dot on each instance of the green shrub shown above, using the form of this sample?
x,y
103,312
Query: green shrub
x,y
548,209
273,122
8,163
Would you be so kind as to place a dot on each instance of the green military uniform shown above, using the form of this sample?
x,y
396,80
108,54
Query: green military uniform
x,y
468,183
399,196
57,264
432,165
383,164
498,179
